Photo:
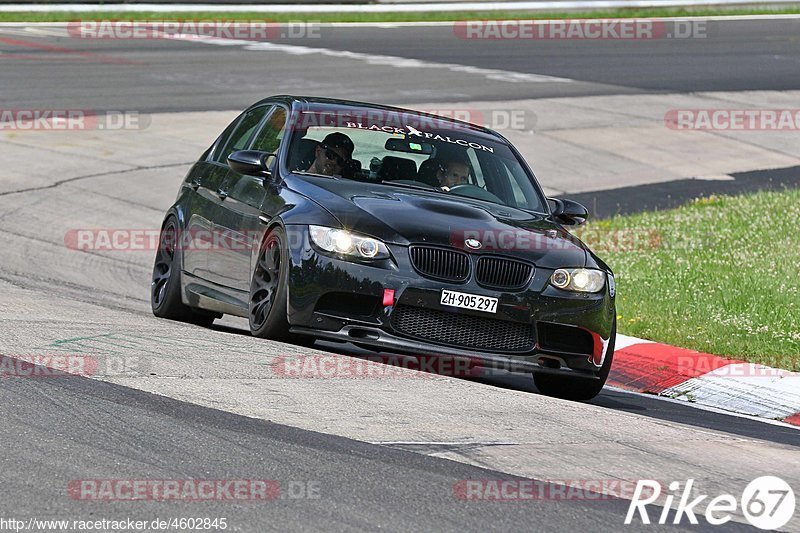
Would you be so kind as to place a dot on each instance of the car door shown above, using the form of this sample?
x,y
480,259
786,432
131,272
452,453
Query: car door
x,y
226,238
250,202
204,181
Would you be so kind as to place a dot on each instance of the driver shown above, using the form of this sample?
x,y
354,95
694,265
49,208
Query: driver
x,y
453,173
332,154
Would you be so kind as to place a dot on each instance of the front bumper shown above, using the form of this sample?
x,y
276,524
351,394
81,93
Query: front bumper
x,y
340,300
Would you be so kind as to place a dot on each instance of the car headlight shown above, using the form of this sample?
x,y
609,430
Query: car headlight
x,y
579,279
339,241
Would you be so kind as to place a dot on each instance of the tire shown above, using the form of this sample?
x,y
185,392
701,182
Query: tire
x,y
269,288
165,287
577,389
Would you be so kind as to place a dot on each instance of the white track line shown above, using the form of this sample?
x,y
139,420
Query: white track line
x,y
384,60
702,407
623,341
446,23
744,388
385,8
370,59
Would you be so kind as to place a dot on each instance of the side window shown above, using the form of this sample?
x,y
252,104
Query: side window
x,y
241,134
514,186
220,143
271,134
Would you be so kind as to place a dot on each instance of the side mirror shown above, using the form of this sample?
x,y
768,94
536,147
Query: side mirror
x,y
251,163
568,212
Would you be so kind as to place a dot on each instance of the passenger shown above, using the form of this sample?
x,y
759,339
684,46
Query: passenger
x,y
332,154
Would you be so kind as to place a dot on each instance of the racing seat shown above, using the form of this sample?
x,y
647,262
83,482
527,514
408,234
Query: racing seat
x,y
352,171
397,168
427,172
302,154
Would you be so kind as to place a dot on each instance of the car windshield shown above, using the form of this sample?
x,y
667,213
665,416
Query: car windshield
x,y
428,154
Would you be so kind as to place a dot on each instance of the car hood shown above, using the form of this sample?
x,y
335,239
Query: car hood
x,y
406,216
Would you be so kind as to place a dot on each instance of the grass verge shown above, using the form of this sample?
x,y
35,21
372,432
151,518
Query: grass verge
x,y
367,16
719,275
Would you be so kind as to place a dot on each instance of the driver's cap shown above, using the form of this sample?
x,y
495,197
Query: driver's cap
x,y
341,142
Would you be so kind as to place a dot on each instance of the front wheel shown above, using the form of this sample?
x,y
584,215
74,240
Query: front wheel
x,y
268,288
576,388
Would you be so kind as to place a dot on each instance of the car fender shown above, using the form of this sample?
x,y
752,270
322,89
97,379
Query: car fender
x,y
297,211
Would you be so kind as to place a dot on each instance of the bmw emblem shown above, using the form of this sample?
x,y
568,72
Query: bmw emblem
x,y
473,244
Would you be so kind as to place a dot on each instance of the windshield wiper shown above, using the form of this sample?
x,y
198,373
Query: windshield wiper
x,y
305,173
410,186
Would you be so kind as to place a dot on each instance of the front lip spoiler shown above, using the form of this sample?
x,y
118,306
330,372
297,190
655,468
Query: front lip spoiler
x,y
378,338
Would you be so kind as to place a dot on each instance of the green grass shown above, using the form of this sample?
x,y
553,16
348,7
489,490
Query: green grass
x,y
366,16
724,278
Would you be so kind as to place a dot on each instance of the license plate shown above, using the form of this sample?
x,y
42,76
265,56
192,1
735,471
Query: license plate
x,y
469,301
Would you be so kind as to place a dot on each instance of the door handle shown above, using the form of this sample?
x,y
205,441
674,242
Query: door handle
x,y
222,193
195,183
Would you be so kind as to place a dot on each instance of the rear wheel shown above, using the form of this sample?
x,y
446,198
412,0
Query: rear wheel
x,y
576,388
165,288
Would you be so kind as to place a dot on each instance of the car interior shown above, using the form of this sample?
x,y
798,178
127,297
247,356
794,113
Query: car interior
x,y
404,170
397,168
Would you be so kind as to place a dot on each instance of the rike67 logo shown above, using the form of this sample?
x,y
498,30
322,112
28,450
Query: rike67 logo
x,y
767,503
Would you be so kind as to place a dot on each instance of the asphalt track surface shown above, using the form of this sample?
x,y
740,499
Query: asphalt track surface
x,y
362,487
158,75
204,410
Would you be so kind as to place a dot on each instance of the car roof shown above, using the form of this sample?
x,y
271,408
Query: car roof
x,y
312,103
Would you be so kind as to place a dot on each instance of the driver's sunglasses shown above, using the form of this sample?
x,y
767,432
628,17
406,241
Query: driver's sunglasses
x,y
333,156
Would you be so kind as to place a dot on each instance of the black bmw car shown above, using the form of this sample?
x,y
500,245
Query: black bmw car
x,y
391,229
